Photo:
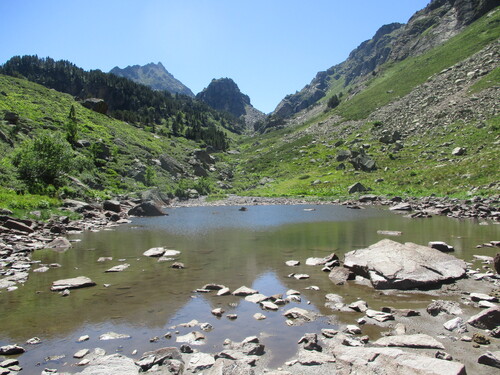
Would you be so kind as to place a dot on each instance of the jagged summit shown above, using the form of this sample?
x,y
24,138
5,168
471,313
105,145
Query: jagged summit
x,y
223,94
154,76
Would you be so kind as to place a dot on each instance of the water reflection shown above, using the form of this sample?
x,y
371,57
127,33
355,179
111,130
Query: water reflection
x,y
218,245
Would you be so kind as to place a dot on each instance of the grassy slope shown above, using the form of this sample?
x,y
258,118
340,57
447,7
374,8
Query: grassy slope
x,y
41,108
296,165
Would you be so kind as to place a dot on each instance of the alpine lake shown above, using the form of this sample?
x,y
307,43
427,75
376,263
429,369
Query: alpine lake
x,y
220,245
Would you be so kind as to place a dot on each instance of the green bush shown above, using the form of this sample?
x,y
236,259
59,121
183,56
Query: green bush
x,y
43,161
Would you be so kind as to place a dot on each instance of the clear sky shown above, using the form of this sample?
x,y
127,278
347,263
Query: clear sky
x,y
270,48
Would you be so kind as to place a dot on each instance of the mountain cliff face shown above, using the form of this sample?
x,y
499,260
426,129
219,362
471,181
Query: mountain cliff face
x,y
154,76
224,95
426,29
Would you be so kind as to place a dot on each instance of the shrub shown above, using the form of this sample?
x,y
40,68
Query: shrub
x,y
333,102
43,161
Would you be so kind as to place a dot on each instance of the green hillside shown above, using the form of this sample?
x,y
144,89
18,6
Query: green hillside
x,y
302,158
106,157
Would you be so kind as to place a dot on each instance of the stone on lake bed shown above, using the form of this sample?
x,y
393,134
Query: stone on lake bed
x,y
267,305
292,263
11,350
160,251
74,283
218,311
81,353
113,336
301,276
119,268
224,292
244,291
213,287
441,246
59,243
259,316
256,298
379,316
298,313
389,232
392,265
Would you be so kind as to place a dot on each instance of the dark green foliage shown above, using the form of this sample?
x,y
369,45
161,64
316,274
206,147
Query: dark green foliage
x,y
127,100
43,161
333,102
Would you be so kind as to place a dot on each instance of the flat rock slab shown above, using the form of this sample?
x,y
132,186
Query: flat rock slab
x,y
112,364
392,265
298,313
419,340
119,268
390,361
244,291
256,298
200,361
74,283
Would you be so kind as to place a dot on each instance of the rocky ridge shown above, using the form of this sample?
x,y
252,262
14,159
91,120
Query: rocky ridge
x,y
426,29
154,76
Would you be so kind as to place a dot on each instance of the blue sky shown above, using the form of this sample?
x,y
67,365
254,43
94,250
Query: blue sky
x,y
270,48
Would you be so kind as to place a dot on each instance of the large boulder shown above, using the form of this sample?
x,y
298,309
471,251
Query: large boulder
x,y
146,209
95,104
392,265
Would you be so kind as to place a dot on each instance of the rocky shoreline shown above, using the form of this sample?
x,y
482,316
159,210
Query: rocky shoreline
x,y
457,332
474,208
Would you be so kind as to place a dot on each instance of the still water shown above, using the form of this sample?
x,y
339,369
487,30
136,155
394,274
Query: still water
x,y
218,245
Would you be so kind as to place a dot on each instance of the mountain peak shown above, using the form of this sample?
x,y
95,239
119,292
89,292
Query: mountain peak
x,y
223,94
154,76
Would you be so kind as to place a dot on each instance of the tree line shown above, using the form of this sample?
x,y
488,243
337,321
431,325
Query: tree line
x,y
177,115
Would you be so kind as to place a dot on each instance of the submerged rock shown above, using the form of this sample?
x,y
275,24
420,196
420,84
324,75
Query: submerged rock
x,y
119,268
392,265
113,336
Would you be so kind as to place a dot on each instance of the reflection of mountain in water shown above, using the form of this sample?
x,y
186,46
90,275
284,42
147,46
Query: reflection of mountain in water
x,y
218,245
